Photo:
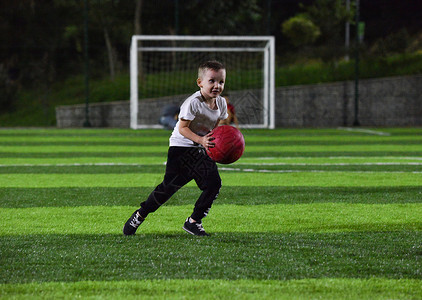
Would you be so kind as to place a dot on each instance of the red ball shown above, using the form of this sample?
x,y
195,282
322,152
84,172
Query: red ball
x,y
229,144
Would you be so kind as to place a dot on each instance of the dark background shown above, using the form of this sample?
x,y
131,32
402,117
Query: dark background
x,y
42,42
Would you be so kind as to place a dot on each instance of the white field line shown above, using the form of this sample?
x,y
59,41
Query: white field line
x,y
308,171
248,170
337,157
253,164
368,131
79,164
336,164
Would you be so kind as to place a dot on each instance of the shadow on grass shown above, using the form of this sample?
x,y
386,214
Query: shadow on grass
x,y
228,256
60,197
160,168
275,153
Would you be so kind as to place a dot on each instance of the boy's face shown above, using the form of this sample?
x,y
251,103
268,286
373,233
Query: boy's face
x,y
212,83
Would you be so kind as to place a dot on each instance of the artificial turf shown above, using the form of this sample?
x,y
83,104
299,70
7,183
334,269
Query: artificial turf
x,y
312,213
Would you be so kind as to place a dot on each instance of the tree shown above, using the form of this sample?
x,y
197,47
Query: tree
x,y
138,31
230,17
330,16
321,24
300,30
102,12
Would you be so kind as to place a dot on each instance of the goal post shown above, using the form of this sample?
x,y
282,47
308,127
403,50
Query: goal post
x,y
163,71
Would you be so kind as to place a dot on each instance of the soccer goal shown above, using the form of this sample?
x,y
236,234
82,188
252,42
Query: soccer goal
x,y
163,70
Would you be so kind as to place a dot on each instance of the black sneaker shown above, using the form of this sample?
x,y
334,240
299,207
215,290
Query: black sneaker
x,y
194,228
133,223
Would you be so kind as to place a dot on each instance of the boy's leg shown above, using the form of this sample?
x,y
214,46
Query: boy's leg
x,y
171,184
183,165
174,179
208,180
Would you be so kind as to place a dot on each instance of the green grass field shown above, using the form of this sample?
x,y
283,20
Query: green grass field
x,y
304,214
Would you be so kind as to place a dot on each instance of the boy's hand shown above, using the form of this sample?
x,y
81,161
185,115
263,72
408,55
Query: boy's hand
x,y
206,141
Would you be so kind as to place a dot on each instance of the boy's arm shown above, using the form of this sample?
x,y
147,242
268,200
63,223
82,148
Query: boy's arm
x,y
202,140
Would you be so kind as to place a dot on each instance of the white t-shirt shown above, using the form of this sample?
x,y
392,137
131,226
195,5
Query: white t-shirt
x,y
203,118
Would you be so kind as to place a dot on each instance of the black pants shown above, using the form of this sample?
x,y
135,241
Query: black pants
x,y
183,165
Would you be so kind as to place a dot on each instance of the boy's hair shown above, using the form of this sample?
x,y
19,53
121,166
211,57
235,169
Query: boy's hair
x,y
209,65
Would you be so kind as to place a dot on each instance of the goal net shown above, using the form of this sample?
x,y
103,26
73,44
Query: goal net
x,y
163,71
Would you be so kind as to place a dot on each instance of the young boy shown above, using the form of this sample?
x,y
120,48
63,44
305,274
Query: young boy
x,y
187,158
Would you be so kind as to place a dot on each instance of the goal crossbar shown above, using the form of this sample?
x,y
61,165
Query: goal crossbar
x,y
199,49
201,38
